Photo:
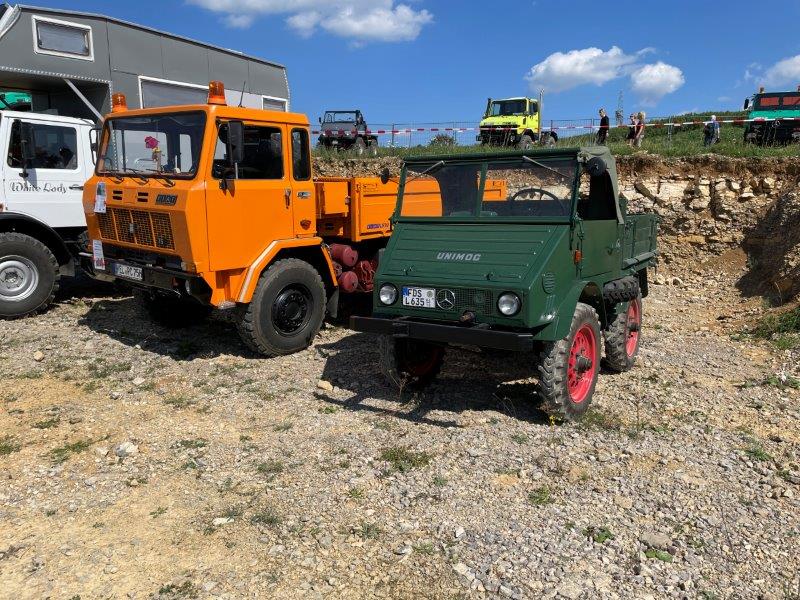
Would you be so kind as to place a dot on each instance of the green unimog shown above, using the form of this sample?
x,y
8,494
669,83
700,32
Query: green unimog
x,y
774,118
528,252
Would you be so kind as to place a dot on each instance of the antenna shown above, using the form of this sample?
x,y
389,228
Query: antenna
x,y
619,115
241,98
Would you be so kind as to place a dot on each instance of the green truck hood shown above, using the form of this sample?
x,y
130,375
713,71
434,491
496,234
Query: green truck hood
x,y
501,254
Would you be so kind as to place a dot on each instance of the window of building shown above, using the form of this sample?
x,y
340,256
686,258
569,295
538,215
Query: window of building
x,y
274,103
165,93
54,147
301,159
61,38
263,153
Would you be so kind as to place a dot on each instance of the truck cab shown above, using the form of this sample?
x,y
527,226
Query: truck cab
x,y
513,122
773,118
527,252
47,160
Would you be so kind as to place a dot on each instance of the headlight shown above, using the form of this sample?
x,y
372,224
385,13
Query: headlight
x,y
508,304
387,294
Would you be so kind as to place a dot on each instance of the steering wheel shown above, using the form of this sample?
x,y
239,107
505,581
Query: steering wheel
x,y
537,195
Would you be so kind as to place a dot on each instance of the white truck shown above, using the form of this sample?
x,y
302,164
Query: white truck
x,y
47,160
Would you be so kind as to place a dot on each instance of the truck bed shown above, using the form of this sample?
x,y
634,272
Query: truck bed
x,y
639,243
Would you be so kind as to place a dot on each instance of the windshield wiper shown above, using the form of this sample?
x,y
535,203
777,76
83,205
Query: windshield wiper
x,y
428,170
544,166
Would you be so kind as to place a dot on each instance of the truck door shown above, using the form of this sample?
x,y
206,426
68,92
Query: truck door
x,y
304,207
247,211
602,231
53,188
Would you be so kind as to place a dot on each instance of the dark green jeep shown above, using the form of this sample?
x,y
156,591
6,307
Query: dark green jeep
x,y
529,252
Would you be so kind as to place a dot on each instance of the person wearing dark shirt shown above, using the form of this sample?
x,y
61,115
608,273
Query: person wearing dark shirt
x,y
605,123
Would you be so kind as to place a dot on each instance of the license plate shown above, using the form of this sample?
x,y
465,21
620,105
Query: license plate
x,y
128,272
419,297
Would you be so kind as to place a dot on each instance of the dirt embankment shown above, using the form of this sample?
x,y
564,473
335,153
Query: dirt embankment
x,y
709,205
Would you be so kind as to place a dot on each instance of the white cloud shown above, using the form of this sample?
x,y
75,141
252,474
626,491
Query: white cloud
x,y
783,74
565,70
653,82
359,21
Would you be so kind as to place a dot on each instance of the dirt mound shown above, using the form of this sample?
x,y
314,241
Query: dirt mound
x,y
773,247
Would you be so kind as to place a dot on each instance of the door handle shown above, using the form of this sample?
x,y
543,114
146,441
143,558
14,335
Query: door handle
x,y
287,196
75,186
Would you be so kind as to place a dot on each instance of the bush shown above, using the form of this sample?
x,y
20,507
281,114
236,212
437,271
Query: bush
x,y
442,140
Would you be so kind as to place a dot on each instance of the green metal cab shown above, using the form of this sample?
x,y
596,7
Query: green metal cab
x,y
506,250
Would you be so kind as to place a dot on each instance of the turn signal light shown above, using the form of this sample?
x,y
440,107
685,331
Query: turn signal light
x,y
118,103
216,93
578,256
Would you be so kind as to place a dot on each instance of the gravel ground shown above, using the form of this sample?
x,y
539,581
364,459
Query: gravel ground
x,y
142,462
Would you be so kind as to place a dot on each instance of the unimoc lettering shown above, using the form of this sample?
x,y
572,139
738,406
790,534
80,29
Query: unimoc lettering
x,y
459,256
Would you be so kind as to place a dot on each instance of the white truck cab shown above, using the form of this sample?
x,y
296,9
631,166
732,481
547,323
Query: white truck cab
x,y
47,159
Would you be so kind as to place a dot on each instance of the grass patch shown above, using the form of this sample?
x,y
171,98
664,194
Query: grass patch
x,y
756,452
782,329
439,481
285,426
8,445
270,467
541,496
600,420
403,459
59,455
191,444
174,591
328,410
519,438
355,493
599,535
100,368
179,402
782,383
424,548
658,555
266,517
368,531
158,512
47,423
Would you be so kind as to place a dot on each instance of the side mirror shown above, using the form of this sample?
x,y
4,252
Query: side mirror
x,y
320,120
27,141
596,166
385,176
235,143
746,103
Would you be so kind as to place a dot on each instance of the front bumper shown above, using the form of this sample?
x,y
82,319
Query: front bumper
x,y
152,277
446,334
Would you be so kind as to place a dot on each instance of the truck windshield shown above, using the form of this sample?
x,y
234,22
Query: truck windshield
x,y
778,102
153,145
518,187
340,117
507,108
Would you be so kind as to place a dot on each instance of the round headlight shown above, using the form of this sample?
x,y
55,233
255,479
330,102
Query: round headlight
x,y
388,294
509,304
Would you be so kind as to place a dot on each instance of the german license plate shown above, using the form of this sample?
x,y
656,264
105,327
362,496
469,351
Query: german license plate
x,y
419,297
128,272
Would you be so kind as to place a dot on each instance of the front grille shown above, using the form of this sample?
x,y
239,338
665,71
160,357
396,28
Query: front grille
x,y
137,227
481,302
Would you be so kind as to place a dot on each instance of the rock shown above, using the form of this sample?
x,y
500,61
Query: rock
x,y
38,356
403,550
115,395
138,381
101,451
126,449
461,569
209,585
220,521
90,481
325,385
459,533
659,541
110,569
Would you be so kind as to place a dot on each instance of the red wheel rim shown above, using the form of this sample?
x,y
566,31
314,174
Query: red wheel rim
x,y
633,326
422,364
581,369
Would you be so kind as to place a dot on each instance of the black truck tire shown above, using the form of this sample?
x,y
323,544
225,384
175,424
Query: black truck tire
x,y
170,310
359,147
525,142
28,275
286,311
621,290
568,368
409,363
623,337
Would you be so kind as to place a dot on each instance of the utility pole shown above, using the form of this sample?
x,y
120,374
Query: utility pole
x,y
619,114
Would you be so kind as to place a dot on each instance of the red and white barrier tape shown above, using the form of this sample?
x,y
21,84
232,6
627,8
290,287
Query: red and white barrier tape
x,y
345,132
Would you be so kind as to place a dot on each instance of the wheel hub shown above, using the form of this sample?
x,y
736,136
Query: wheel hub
x,y
19,278
581,366
290,311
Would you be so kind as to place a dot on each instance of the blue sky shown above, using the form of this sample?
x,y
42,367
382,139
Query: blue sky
x,y
438,60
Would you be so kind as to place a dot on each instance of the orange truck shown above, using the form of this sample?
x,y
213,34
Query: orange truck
x,y
215,207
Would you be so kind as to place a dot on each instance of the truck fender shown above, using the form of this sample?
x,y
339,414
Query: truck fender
x,y
21,223
588,292
310,249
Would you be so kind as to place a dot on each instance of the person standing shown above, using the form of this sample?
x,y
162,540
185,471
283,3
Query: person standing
x,y
640,126
605,124
711,131
631,130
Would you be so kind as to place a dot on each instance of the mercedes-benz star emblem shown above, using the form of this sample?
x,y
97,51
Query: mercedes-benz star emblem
x,y
446,299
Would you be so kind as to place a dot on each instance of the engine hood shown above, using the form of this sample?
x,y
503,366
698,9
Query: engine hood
x,y
503,254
